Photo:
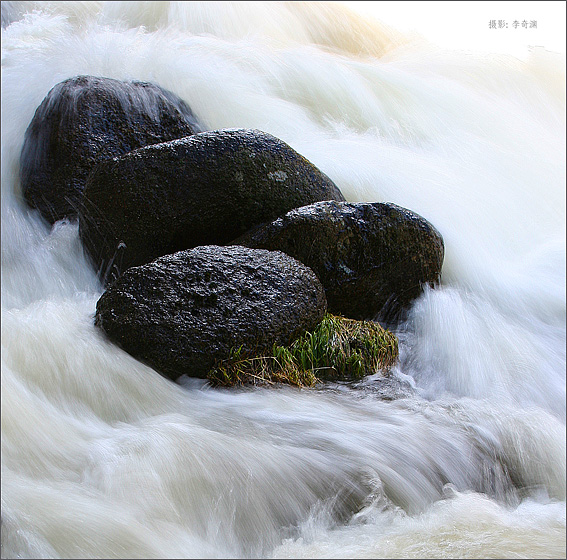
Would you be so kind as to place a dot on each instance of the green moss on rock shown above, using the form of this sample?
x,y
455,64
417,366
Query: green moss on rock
x,y
337,349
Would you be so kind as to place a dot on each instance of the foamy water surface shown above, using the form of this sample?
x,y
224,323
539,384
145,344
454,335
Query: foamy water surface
x,y
104,458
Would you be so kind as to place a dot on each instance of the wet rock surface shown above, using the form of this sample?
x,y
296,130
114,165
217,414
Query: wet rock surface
x,y
183,312
203,189
373,259
85,120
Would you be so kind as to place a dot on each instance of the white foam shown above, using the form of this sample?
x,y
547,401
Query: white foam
x,y
102,457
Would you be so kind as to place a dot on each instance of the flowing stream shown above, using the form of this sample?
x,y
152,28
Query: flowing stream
x,y
461,456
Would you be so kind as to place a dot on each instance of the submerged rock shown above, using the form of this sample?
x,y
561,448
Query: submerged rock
x,y
85,120
183,312
373,259
204,189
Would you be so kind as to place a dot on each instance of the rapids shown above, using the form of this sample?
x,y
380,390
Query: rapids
x,y
104,458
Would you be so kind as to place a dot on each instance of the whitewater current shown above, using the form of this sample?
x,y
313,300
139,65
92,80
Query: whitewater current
x,y
462,456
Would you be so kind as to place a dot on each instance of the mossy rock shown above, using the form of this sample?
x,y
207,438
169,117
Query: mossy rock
x,y
338,349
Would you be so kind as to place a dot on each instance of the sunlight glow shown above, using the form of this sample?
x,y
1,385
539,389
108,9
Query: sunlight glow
x,y
466,25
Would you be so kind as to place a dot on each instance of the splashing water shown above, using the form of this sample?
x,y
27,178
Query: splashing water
x,y
102,457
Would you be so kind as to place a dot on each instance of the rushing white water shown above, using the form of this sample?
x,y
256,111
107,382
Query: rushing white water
x,y
104,458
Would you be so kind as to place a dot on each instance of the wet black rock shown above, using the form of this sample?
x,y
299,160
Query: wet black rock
x,y
183,312
373,259
205,189
87,119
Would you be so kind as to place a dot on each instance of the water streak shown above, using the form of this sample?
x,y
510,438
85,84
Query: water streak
x,y
103,457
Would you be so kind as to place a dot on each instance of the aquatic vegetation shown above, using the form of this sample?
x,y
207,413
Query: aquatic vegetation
x,y
337,349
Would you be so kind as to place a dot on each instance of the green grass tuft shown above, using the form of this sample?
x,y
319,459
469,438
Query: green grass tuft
x,y
337,349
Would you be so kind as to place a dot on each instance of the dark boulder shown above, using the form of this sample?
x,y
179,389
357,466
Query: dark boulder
x,y
183,312
372,258
85,120
204,189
